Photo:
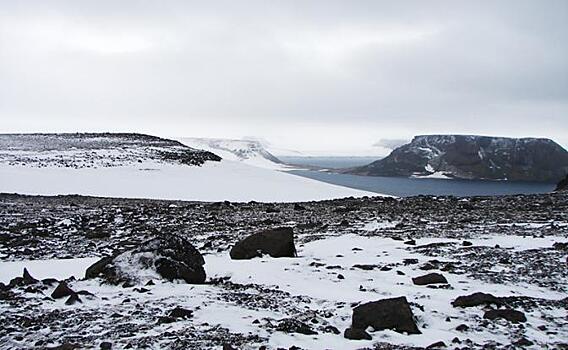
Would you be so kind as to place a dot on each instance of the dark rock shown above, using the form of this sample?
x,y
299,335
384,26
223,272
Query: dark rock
x,y
436,345
27,278
106,345
166,319
97,233
99,268
476,299
299,207
462,328
340,276
331,329
62,291
410,261
394,313
523,342
172,257
431,278
180,312
228,347
366,267
356,334
467,243
507,314
428,266
291,325
277,243
410,242
49,281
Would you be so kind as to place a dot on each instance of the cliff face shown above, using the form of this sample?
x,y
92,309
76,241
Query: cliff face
x,y
562,185
474,157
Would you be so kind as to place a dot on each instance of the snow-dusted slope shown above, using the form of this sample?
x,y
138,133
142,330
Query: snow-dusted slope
x,y
145,170
474,157
247,151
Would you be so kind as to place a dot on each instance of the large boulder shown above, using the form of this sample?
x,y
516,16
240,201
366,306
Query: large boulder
x,y
394,313
170,257
277,243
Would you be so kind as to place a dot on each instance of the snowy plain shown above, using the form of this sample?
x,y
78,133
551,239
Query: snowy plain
x,y
213,181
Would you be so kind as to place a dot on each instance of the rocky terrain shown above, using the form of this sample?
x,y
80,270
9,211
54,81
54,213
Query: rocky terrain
x,y
459,273
94,150
474,157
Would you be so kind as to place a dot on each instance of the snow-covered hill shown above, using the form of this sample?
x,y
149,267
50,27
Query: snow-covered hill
x,y
247,151
141,166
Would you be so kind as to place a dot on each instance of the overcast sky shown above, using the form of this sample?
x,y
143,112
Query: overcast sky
x,y
315,76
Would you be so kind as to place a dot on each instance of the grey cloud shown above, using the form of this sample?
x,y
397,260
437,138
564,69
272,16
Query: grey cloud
x,y
226,68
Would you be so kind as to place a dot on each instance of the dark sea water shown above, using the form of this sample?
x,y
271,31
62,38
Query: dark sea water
x,y
404,187
329,162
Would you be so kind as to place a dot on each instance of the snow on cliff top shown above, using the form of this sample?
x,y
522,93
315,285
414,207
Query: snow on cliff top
x,y
250,152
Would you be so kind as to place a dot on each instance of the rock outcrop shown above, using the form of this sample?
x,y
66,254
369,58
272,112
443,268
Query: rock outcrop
x,y
170,257
277,243
474,157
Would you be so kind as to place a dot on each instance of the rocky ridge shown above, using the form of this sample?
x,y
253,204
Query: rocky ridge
x,y
93,150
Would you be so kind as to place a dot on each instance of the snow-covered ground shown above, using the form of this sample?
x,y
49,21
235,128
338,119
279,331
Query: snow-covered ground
x,y
319,288
213,181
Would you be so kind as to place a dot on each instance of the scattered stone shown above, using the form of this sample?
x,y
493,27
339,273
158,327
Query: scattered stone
x,y
410,242
27,278
291,325
522,342
475,299
410,261
331,329
277,243
431,278
356,334
366,267
462,328
437,345
394,313
62,291
166,319
507,314
180,312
